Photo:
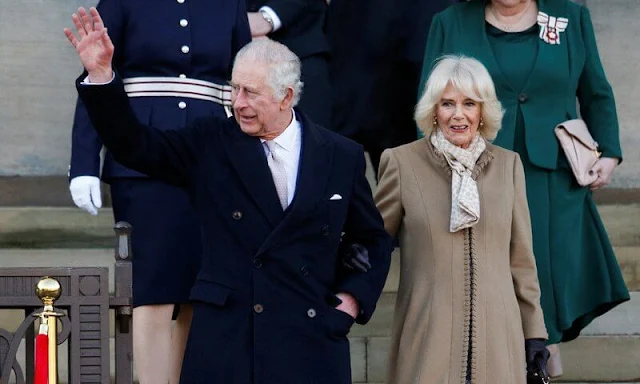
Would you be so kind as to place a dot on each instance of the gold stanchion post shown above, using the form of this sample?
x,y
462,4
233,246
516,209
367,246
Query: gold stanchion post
x,y
48,290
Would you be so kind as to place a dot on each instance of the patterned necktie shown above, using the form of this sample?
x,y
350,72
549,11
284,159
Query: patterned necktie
x,y
278,172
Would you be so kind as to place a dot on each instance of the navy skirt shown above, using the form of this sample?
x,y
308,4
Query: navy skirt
x,y
165,240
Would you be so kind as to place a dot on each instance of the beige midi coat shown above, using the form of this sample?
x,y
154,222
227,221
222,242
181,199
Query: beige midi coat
x,y
476,288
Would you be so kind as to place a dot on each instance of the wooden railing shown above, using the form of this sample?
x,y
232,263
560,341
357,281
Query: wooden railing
x,y
85,301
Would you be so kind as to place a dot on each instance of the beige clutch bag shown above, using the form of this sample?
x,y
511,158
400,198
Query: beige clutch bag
x,y
580,148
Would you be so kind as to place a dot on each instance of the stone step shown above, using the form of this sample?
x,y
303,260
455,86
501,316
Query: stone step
x,y
622,223
54,227
60,257
69,227
623,320
589,359
601,359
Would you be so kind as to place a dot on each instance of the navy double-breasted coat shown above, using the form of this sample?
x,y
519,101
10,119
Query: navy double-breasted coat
x,y
268,279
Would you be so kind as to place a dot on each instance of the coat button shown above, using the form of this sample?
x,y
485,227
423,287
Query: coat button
x,y
523,97
311,313
180,1
258,308
257,263
184,23
325,230
237,215
185,49
304,270
182,105
182,76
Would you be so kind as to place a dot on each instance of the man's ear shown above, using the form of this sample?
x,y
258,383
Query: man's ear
x,y
287,101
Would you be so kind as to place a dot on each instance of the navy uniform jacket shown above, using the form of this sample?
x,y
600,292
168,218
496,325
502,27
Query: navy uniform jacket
x,y
266,274
149,40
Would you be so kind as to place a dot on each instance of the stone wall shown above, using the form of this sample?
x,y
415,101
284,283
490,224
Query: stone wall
x,y
37,72
617,30
38,68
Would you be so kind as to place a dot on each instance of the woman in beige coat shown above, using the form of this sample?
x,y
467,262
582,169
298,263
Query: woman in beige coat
x,y
469,294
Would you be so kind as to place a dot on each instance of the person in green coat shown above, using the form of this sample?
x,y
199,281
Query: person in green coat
x,y
543,56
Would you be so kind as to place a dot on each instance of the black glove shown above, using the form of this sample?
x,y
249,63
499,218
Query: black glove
x,y
355,256
537,354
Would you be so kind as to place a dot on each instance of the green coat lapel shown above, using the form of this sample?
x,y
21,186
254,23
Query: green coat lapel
x,y
552,60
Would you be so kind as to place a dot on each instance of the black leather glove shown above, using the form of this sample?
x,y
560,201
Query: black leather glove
x,y
355,256
537,354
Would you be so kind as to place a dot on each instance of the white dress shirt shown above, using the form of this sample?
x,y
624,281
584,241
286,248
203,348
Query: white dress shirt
x,y
289,144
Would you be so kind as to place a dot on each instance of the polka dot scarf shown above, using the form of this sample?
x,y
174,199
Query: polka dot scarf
x,y
465,201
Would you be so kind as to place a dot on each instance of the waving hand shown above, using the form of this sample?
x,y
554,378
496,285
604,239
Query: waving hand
x,y
93,45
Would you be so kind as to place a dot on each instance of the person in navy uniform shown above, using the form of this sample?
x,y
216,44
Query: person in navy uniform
x,y
377,47
174,57
276,194
299,24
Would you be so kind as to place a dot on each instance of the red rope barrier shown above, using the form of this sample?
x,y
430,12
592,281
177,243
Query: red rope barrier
x,y
41,369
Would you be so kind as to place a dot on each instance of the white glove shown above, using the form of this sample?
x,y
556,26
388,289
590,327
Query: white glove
x,y
85,192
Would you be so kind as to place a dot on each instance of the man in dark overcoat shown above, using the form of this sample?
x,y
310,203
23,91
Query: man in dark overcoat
x,y
276,194
377,47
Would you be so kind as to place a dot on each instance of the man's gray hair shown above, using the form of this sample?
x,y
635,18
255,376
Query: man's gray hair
x,y
284,66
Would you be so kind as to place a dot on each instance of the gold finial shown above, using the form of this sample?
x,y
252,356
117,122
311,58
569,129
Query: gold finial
x,y
48,290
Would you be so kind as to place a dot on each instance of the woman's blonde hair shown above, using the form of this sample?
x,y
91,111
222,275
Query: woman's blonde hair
x,y
471,78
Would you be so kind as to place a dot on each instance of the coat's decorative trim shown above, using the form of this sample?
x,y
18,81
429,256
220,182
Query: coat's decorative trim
x,y
473,262
482,162
470,306
467,310
439,157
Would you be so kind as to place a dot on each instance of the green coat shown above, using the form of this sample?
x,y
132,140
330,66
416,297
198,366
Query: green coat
x,y
570,69
577,269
